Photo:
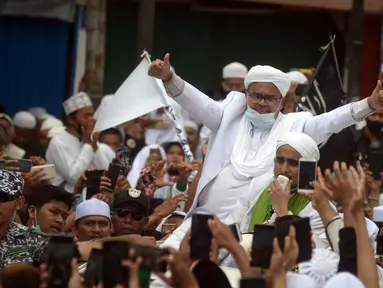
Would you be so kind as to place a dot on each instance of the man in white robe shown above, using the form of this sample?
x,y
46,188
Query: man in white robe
x,y
73,150
245,128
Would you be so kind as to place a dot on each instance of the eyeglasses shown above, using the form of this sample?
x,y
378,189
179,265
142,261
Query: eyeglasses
x,y
269,99
291,162
7,198
123,213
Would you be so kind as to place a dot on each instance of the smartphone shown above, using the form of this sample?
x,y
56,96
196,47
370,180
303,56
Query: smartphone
x,y
379,245
48,169
303,236
377,214
151,257
93,183
59,254
21,165
301,90
252,283
262,246
92,274
307,174
123,156
113,272
236,231
376,164
113,173
200,239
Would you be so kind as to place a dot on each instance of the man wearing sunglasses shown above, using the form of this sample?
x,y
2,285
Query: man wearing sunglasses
x,y
17,242
130,212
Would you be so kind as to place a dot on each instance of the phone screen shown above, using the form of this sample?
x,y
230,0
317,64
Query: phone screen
x,y
92,275
200,239
2,165
307,174
262,247
113,173
113,273
59,254
93,182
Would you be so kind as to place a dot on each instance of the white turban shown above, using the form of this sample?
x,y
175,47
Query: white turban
x,y
25,120
234,70
38,112
92,207
51,122
301,142
297,77
268,74
191,124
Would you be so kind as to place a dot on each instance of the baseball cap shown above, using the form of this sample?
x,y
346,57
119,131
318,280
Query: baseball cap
x,y
131,196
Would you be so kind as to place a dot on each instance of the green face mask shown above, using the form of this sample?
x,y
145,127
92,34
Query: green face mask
x,y
36,228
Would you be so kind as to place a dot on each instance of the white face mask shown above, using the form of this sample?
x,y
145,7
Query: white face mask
x,y
262,121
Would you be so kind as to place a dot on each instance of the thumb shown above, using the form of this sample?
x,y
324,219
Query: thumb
x,y
166,59
378,86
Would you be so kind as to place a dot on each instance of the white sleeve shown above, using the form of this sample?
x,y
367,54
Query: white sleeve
x,y
69,166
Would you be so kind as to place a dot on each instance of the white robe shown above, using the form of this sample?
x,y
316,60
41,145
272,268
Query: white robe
x,y
223,120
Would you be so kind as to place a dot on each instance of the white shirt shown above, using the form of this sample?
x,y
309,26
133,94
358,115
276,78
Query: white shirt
x,y
70,157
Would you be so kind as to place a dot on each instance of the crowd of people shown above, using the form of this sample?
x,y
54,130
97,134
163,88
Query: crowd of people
x,y
251,131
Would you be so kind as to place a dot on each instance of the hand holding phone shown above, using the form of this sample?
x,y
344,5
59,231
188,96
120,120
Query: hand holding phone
x,y
201,237
262,247
113,173
17,165
113,273
307,174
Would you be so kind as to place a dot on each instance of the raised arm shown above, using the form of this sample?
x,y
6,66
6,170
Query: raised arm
x,y
200,106
321,127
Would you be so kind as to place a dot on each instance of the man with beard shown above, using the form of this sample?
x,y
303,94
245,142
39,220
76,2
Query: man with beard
x,y
73,150
274,201
372,135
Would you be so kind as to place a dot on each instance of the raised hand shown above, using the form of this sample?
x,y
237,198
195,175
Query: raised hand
x,y
279,198
375,101
161,69
158,173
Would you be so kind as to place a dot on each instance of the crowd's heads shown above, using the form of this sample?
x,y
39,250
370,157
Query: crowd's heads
x,y
375,122
20,275
291,147
6,130
11,189
266,87
48,208
232,77
111,137
297,77
92,221
192,134
79,110
174,152
130,212
24,124
46,126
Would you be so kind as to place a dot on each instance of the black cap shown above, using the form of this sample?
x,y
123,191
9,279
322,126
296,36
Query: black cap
x,y
131,196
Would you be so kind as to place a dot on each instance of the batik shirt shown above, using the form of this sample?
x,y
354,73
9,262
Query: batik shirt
x,y
20,244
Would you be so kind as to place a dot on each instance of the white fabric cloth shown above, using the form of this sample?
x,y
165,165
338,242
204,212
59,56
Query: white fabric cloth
x,y
224,119
234,70
70,157
92,207
25,120
38,112
299,281
302,143
297,76
268,74
55,131
103,157
140,161
104,103
77,102
50,123
344,280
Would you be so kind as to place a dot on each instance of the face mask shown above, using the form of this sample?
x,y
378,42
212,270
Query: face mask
x,y
374,127
261,121
35,228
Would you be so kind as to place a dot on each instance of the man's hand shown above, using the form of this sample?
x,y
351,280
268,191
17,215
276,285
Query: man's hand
x,y
169,205
161,69
222,234
375,101
122,184
32,180
86,135
185,169
279,198
158,173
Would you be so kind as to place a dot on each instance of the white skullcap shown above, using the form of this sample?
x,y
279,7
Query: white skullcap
x,y
297,76
234,70
344,279
51,122
191,124
5,116
45,116
38,112
25,120
104,102
304,144
322,266
92,207
268,74
55,131
77,102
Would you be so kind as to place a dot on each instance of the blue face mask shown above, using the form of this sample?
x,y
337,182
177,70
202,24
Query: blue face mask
x,y
261,121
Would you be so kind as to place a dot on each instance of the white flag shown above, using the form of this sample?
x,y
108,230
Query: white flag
x,y
137,96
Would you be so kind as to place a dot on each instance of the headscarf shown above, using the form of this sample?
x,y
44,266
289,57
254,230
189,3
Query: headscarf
x,y
140,161
268,74
301,142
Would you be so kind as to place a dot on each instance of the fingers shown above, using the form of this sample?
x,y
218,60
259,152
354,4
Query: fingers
x,y
378,87
276,248
320,176
307,196
167,59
